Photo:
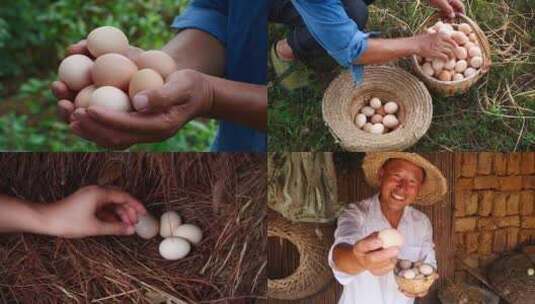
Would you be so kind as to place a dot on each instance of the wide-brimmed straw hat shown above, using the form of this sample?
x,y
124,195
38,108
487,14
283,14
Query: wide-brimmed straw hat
x,y
435,185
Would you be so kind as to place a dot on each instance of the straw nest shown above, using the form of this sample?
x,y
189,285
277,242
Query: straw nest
x,y
451,88
313,273
224,194
342,101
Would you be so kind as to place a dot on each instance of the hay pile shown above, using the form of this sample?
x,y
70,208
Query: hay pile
x,y
224,194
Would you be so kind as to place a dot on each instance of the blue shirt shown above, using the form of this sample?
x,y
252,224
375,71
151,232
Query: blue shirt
x,y
332,28
243,24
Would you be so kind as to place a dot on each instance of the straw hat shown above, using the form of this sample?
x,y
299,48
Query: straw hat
x,y
435,185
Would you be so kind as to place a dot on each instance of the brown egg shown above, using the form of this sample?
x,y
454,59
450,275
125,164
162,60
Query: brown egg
x,y
75,71
82,99
107,39
445,75
145,79
376,118
113,70
465,28
111,98
159,61
381,111
473,37
459,37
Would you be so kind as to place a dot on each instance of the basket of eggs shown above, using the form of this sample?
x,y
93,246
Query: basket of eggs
x,y
390,110
414,277
471,59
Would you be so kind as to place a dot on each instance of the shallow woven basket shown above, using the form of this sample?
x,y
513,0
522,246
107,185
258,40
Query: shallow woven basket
x,y
313,273
415,286
509,276
342,101
451,88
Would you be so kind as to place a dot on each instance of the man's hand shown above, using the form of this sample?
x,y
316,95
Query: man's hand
x,y
370,255
448,7
437,45
92,211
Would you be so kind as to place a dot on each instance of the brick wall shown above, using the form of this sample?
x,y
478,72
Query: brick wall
x,y
494,204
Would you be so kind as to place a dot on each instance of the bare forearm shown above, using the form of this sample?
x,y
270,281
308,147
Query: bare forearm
x,y
385,50
20,216
239,102
344,259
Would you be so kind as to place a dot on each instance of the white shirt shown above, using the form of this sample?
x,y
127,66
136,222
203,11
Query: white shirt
x,y
360,220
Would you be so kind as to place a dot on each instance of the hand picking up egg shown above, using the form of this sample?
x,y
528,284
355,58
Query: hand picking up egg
x,y
113,70
377,117
178,237
467,59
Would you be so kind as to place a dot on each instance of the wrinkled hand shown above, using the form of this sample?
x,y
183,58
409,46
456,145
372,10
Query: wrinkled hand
x,y
448,7
372,257
91,211
437,45
418,295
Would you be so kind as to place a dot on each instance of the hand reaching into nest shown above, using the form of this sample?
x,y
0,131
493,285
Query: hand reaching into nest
x,y
89,211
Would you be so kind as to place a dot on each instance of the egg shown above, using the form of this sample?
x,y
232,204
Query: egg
x,y
367,126
409,274
189,232
428,69
377,128
360,120
465,28
450,64
468,46
376,118
147,227
75,71
381,111
156,60
445,75
84,96
405,264
375,103
113,70
390,237
368,111
474,51
458,76
142,80
169,221
390,121
446,29
391,107
459,37
174,248
476,62
107,39
438,65
426,269
469,72
473,37
531,272
460,52
461,66
111,98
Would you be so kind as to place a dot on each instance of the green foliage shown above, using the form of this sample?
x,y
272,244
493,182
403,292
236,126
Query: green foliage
x,y
34,36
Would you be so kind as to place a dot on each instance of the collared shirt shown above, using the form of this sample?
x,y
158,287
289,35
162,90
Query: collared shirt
x,y
241,26
332,28
360,220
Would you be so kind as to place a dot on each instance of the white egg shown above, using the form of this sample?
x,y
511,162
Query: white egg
x,y
377,128
450,64
84,96
476,62
460,52
428,69
189,232
446,29
360,120
75,71
375,103
405,264
474,51
531,272
147,226
169,221
391,107
461,66
390,237
174,248
409,274
459,37
468,46
368,111
111,98
458,76
367,126
469,72
426,269
376,118
390,121
438,65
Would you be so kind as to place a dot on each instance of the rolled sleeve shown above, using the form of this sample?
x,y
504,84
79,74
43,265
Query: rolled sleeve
x,y
205,16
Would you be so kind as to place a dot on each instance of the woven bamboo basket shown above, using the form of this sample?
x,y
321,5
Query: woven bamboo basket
x,y
509,275
415,286
313,273
451,88
342,101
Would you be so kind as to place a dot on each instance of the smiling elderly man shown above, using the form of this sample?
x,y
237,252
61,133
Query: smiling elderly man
x,y
357,258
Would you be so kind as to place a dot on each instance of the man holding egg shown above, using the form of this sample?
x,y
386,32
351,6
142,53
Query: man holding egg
x,y
117,95
372,234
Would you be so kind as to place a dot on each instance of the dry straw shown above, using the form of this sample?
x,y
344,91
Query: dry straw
x,y
342,101
451,88
313,273
223,194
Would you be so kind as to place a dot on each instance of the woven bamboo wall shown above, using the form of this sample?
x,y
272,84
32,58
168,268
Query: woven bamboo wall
x,y
352,187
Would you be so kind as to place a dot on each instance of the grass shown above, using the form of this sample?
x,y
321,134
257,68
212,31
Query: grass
x,y
497,114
